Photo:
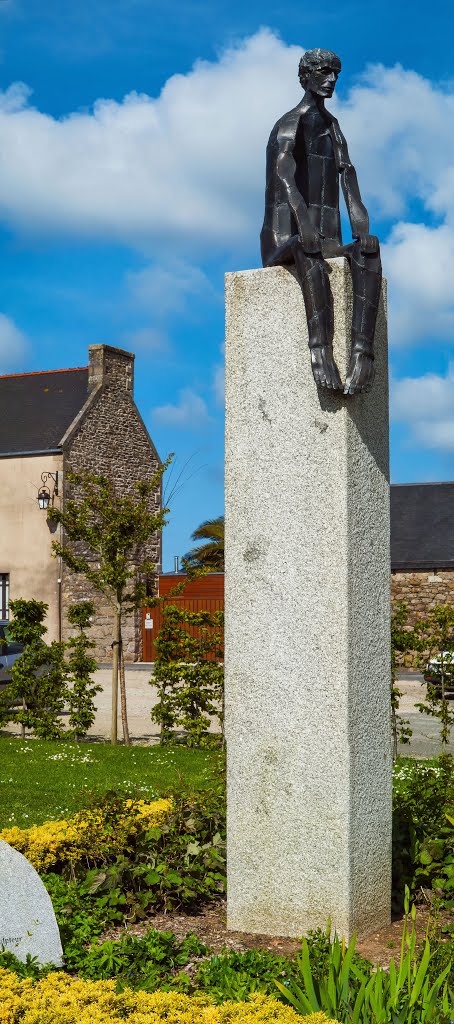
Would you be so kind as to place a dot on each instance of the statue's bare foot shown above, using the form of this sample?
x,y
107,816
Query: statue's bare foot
x,y
360,373
324,369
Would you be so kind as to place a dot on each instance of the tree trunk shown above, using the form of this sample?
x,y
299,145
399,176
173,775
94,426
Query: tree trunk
x,y
124,710
115,661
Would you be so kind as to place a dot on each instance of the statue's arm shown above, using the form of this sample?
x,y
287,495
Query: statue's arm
x,y
285,170
358,215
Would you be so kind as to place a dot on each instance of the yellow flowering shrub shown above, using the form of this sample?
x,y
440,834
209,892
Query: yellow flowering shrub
x,y
87,834
60,999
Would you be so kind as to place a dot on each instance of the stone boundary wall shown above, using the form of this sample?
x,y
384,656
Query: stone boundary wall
x,y
422,590
77,588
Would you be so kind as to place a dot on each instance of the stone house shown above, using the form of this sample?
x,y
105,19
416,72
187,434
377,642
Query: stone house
x,y
422,546
85,419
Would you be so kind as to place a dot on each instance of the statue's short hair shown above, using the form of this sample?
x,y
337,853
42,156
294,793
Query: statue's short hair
x,y
314,59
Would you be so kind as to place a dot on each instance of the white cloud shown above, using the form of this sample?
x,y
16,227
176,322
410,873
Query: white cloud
x,y
169,288
189,164
419,262
184,172
426,405
190,412
395,123
185,165
13,346
148,340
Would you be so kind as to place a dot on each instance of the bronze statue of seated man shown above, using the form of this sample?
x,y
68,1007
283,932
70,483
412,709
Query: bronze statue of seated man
x,y
305,157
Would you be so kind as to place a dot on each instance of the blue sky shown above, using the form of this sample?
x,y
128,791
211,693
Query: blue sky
x,y
132,139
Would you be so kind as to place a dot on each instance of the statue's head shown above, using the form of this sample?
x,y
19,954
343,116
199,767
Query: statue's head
x,y
318,71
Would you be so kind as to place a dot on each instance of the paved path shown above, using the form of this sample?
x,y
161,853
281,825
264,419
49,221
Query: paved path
x,y
142,697
425,741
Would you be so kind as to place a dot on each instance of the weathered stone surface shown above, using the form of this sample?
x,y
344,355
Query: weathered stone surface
x,y
27,919
110,438
307,621
422,591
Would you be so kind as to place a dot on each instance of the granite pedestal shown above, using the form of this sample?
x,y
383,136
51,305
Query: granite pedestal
x,y
307,636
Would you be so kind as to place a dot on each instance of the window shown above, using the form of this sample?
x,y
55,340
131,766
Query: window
x,y
4,595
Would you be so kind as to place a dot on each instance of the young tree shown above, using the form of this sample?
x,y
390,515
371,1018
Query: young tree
x,y
81,664
436,637
403,640
105,537
189,673
35,698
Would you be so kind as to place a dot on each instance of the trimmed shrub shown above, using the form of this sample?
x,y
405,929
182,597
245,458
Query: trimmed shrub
x,y
58,999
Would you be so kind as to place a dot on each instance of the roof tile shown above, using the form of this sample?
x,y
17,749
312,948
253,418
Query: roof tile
x,y
36,409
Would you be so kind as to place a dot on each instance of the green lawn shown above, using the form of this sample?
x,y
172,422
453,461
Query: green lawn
x,y
42,780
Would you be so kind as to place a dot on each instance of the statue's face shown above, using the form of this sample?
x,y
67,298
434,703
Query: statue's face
x,y
322,80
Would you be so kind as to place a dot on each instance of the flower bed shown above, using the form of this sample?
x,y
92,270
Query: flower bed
x,y
59,999
88,834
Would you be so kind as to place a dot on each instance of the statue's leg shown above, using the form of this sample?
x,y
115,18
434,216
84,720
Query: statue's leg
x,y
366,280
318,300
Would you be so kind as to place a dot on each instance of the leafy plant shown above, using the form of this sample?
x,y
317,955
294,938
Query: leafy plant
x,y
403,640
63,999
434,861
210,554
107,539
35,698
31,968
236,976
180,863
436,635
81,665
155,960
81,919
405,994
42,681
188,673
422,801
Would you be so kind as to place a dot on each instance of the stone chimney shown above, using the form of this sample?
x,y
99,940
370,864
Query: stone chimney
x,y
112,367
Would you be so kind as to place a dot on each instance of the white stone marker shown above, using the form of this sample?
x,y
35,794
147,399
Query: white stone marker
x,y
307,644
27,919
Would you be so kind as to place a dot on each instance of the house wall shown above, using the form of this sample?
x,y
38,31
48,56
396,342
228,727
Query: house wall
x,y
422,591
25,538
111,439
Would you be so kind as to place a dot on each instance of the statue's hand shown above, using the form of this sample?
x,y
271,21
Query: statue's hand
x,y
369,244
311,239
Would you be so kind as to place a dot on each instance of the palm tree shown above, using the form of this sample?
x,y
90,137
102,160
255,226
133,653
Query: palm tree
x,y
209,555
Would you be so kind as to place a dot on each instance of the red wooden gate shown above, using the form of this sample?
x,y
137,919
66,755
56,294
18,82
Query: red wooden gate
x,y
205,594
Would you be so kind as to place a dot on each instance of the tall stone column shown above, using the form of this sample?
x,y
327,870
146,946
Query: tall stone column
x,y
307,644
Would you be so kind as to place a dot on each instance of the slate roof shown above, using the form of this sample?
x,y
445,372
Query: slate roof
x,y
422,526
36,409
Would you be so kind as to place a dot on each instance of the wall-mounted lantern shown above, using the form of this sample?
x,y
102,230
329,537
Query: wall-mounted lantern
x,y
45,498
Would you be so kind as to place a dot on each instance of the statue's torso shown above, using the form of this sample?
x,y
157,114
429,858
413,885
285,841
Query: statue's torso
x,y
316,178
316,173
